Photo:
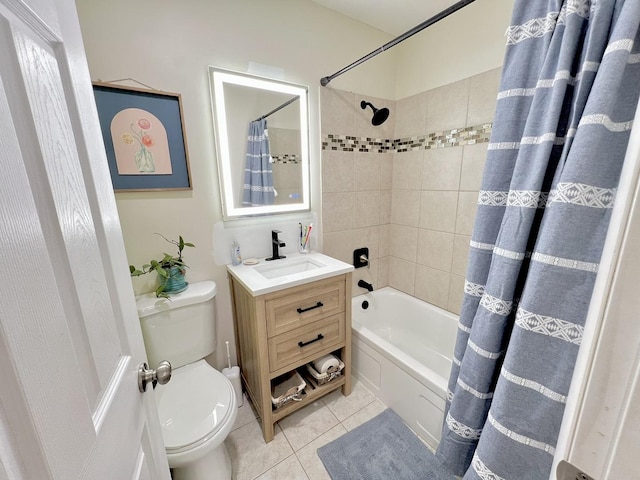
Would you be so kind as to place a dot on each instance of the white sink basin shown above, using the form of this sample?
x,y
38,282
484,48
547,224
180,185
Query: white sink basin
x,y
296,269
282,267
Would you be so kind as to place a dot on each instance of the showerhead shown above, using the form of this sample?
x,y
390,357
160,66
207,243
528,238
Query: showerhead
x,y
379,114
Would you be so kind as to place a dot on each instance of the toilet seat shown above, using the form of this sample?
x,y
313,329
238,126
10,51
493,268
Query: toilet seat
x,y
194,406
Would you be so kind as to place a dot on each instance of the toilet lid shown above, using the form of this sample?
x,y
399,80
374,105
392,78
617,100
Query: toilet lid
x,y
194,405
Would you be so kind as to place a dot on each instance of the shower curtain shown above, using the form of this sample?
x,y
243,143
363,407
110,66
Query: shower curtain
x,y
567,98
258,174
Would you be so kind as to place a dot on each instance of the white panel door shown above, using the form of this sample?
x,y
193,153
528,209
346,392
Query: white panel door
x,y
602,431
70,341
600,434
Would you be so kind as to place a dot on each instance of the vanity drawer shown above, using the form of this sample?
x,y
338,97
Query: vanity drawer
x,y
293,346
304,305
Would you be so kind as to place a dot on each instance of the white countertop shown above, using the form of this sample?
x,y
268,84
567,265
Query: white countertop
x,y
258,284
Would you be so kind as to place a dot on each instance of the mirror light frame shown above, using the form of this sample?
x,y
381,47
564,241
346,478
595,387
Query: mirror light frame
x,y
217,79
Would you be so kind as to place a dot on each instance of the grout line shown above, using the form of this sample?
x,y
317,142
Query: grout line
x,y
274,466
312,440
355,413
302,465
339,423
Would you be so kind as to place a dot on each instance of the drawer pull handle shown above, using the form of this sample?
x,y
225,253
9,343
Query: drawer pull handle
x,y
317,305
304,344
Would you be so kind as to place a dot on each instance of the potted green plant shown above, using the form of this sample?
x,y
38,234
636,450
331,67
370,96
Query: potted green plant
x,y
170,269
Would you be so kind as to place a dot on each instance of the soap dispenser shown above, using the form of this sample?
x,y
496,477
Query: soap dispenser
x,y
236,257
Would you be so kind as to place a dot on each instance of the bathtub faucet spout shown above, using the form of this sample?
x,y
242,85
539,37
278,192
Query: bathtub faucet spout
x,y
367,285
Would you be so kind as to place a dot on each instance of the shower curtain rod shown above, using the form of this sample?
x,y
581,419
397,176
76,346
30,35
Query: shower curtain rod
x,y
324,81
277,108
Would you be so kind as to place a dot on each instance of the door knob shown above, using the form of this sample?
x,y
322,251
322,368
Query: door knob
x,y
161,375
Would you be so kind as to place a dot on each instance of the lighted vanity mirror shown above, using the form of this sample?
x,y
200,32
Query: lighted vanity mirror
x,y
260,172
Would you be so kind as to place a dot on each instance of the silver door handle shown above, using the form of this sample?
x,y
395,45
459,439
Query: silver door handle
x,y
161,375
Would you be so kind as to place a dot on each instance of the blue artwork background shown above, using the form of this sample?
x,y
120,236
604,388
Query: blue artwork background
x,y
110,101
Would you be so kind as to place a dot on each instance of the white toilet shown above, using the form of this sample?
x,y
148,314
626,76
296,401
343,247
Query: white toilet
x,y
198,407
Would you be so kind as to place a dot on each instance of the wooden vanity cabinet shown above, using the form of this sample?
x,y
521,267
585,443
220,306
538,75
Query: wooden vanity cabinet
x,y
282,331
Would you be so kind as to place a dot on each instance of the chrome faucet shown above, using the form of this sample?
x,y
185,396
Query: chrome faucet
x,y
276,243
367,285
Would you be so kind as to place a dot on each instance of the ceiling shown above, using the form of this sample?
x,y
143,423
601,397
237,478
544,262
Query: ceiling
x,y
392,16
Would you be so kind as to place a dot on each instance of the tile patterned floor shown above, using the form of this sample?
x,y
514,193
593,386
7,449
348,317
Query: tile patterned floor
x,y
291,455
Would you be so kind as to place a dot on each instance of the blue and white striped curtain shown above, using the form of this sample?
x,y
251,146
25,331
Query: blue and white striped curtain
x,y
567,98
258,174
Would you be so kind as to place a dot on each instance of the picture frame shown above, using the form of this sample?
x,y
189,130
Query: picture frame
x,y
144,138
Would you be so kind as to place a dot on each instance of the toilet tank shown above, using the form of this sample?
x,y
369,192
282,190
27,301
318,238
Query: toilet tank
x,y
181,330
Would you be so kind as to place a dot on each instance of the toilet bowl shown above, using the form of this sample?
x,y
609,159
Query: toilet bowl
x,y
197,410
198,407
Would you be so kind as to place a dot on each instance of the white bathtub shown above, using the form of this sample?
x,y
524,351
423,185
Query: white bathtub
x,y
402,350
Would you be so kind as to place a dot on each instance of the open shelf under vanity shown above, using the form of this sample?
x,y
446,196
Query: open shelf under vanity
x,y
277,333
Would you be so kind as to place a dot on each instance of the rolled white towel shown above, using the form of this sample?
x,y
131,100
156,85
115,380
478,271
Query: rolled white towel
x,y
324,363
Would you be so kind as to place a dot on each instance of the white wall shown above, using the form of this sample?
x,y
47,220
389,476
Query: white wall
x,y
464,44
169,45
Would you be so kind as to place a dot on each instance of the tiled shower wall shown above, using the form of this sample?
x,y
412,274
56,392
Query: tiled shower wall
x,y
356,185
414,203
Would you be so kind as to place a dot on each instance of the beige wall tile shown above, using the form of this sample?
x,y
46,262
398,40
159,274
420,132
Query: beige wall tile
x,y
383,272
441,169
384,239
337,111
367,237
337,211
385,207
402,275
283,140
483,90
366,209
456,291
438,210
413,210
286,176
386,171
411,116
405,207
435,249
407,170
339,245
432,286
367,171
467,207
447,106
473,159
460,254
337,171
404,242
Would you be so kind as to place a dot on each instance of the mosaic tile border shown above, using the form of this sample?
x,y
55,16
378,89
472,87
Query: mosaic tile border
x,y
346,143
286,158
443,139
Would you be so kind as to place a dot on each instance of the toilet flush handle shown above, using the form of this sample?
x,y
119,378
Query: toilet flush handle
x,y
161,375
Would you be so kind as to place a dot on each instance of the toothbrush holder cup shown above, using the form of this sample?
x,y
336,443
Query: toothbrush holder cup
x,y
304,246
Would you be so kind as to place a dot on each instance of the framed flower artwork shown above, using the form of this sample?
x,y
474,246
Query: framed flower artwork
x,y
143,132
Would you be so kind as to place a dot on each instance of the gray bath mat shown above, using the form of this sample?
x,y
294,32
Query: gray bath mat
x,y
382,449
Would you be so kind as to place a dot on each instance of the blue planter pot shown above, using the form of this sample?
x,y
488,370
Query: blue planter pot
x,y
176,281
